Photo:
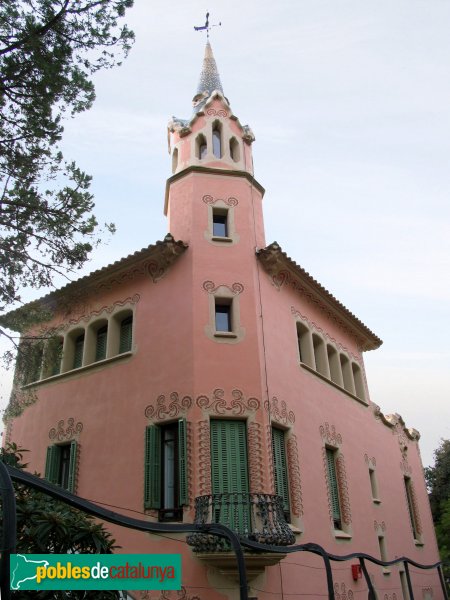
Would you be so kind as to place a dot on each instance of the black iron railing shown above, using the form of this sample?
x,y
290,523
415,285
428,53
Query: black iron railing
x,y
256,517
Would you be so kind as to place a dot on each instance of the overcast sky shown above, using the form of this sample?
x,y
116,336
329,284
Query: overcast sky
x,y
349,101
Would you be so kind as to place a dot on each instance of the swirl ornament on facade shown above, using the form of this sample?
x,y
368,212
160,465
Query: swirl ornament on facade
x,y
107,310
231,201
294,476
381,527
279,414
210,287
64,434
168,409
212,112
255,458
329,435
237,406
370,462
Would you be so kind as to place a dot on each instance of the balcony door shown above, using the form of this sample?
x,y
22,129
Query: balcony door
x,y
229,474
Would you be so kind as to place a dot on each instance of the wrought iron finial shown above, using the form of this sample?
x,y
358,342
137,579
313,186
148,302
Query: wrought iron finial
x,y
207,27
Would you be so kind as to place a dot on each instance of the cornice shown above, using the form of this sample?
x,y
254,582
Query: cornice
x,y
153,261
210,171
283,271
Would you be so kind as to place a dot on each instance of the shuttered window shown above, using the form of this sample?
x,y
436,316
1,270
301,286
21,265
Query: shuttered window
x,y
280,469
56,357
334,488
229,473
126,333
165,477
78,351
100,346
61,464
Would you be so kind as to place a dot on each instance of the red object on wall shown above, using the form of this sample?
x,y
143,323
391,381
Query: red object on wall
x,y
356,572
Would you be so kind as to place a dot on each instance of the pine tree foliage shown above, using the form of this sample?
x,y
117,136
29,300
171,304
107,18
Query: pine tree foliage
x,y
49,50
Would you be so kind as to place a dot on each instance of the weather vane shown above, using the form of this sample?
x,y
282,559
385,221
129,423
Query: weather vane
x,y
206,27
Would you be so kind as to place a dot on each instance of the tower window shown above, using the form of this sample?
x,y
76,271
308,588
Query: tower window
x,y
234,149
217,140
223,315
200,146
334,488
174,160
220,223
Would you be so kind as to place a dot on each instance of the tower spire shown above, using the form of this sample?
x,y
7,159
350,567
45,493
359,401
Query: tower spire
x,y
209,78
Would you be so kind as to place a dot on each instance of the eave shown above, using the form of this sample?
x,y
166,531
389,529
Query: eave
x,y
284,271
153,261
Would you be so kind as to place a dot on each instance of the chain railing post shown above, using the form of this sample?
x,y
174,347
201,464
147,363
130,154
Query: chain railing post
x,y
9,530
408,580
442,580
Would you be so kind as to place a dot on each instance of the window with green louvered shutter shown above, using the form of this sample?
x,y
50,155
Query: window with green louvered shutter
x,y
78,352
229,473
52,464
126,335
334,488
100,346
411,506
152,475
280,469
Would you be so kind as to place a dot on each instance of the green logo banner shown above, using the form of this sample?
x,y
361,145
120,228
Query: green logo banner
x,y
95,571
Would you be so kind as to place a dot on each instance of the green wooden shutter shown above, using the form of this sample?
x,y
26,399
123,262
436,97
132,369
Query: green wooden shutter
x,y
52,464
126,335
152,475
412,512
56,357
280,467
229,472
182,462
78,353
334,489
100,347
71,485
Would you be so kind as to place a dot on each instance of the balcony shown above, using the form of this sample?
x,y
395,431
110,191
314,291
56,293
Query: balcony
x,y
257,517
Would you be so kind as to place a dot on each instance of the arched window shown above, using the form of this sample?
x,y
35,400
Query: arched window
x,y
217,139
320,355
347,374
126,334
305,348
200,146
100,343
174,160
234,149
358,380
335,365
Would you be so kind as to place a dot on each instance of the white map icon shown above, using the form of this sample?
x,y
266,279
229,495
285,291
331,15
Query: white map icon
x,y
15,584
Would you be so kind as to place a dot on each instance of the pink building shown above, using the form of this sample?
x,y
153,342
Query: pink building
x,y
203,375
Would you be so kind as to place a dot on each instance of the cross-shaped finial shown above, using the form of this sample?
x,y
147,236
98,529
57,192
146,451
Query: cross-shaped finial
x,y
206,27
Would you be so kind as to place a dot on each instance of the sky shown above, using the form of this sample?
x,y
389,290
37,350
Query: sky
x,y
349,101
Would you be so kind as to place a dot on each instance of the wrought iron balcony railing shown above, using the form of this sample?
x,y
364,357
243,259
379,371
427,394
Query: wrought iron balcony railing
x,y
258,517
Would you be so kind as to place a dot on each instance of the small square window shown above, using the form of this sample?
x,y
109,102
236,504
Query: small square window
x,y
220,224
223,317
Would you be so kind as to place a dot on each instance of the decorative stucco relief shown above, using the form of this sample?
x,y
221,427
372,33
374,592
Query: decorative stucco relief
x,y
341,593
295,484
210,287
231,201
379,527
168,595
343,490
212,112
255,458
106,309
204,457
405,467
312,325
61,433
427,593
329,435
169,408
389,597
279,414
238,405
